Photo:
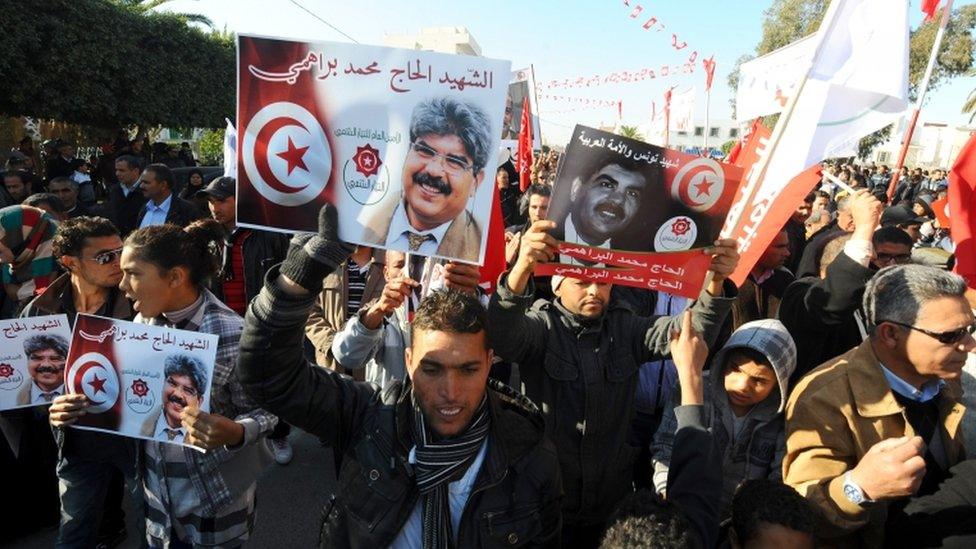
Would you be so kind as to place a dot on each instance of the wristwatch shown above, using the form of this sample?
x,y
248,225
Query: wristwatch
x,y
853,492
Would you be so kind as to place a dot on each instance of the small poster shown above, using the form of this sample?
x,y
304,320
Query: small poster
x,y
636,214
403,142
32,357
138,378
521,87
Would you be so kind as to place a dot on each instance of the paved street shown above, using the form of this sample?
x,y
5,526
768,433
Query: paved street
x,y
289,499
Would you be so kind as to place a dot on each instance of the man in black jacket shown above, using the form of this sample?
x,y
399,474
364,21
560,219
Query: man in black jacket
x,y
578,358
125,200
443,459
162,205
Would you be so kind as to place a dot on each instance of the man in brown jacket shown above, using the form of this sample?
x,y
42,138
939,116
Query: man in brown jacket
x,y
355,283
881,422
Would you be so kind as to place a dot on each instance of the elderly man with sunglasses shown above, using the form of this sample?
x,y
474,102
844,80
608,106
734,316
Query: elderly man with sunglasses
x,y
449,148
91,465
881,423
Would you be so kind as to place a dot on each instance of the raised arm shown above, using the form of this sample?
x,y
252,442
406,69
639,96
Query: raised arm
x,y
272,367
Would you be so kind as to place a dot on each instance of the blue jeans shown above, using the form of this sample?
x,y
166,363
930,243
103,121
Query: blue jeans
x,y
86,466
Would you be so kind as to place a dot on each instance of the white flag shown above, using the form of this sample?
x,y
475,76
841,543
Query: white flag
x,y
766,83
857,84
682,114
230,150
656,133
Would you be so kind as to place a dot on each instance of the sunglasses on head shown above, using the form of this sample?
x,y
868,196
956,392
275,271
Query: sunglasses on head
x,y
105,258
949,338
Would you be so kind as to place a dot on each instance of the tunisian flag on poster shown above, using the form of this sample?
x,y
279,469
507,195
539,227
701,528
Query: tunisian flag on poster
x,y
962,211
93,371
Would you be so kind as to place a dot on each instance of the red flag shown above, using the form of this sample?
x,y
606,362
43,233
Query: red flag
x,y
620,110
734,152
929,7
494,264
524,150
92,371
749,142
962,218
709,65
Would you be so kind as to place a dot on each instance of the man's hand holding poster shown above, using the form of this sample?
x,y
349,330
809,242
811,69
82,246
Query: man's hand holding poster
x,y
400,140
32,358
638,215
138,378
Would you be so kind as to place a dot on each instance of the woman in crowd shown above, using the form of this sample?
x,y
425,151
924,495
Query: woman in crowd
x,y
192,498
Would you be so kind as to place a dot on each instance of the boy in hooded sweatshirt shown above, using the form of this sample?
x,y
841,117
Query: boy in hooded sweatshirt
x,y
746,391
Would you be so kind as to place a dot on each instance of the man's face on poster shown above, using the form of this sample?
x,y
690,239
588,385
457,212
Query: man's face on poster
x,y
607,202
438,180
46,368
179,392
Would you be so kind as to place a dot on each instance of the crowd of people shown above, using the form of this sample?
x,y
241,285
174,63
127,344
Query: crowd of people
x,y
819,403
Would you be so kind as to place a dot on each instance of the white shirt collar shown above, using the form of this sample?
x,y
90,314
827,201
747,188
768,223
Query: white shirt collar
x,y
36,396
572,236
162,426
401,225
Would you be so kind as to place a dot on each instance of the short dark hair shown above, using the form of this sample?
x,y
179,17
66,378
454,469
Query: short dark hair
x,y
19,174
760,501
808,199
535,189
53,201
132,161
822,194
162,173
186,365
450,311
72,233
448,116
891,235
63,179
41,342
168,246
644,520
747,353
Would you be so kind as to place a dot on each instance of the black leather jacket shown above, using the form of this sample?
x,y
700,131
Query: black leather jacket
x,y
515,498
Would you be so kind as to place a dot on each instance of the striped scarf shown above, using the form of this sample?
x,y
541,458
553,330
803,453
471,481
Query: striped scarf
x,y
438,464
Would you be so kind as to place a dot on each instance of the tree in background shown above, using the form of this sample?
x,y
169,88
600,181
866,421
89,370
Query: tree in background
x,y
631,132
786,21
114,64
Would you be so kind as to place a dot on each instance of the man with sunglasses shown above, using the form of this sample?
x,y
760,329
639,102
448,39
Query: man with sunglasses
x,y
449,146
881,422
91,466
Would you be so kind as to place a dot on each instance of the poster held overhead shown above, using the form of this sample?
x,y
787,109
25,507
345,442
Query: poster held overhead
x,y
399,140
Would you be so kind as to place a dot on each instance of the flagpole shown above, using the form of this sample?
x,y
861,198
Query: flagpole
x,y
762,162
910,130
708,96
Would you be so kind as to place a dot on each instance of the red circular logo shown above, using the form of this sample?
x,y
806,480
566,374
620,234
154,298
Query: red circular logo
x,y
140,388
680,226
6,370
367,160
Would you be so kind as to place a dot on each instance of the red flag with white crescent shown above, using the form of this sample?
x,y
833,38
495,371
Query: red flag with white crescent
x,y
284,146
92,371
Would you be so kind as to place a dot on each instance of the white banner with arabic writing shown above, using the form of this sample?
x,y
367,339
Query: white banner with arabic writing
x,y
402,141
767,82
138,378
32,356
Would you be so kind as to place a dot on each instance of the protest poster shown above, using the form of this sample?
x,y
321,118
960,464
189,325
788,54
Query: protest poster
x,y
138,377
636,214
521,87
32,357
401,141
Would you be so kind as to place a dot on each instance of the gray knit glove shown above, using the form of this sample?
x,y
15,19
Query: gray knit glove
x,y
312,257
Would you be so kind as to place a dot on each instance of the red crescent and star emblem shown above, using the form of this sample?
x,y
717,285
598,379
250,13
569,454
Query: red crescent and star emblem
x,y
698,184
94,376
367,160
285,154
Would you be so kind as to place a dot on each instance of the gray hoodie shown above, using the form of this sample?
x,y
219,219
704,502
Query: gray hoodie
x,y
758,450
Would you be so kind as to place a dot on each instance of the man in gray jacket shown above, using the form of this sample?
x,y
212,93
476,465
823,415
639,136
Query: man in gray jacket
x,y
578,358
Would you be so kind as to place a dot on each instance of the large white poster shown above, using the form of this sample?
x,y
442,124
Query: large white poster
x,y
402,141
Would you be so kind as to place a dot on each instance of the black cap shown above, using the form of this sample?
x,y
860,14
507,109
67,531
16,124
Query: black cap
x,y
220,188
900,215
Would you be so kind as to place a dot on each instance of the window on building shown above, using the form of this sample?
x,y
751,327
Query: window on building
x,y
884,157
733,133
712,132
699,131
682,133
